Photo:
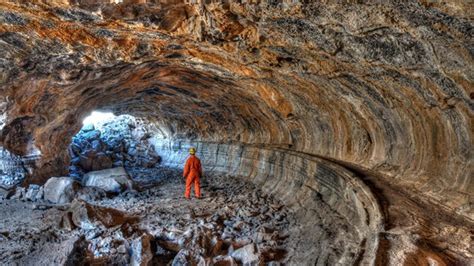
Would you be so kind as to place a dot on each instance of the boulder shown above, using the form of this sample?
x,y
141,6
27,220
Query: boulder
x,y
19,193
40,194
60,189
111,180
91,194
32,192
88,128
97,145
85,162
247,255
141,251
101,161
88,216
91,135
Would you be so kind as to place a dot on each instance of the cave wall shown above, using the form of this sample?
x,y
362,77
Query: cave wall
x,y
271,90
383,86
302,182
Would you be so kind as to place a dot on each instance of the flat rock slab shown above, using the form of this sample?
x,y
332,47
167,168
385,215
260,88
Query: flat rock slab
x,y
113,180
60,189
88,216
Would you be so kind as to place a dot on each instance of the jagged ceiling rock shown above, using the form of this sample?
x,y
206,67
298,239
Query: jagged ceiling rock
x,y
386,88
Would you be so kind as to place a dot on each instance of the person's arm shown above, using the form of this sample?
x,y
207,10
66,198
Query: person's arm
x,y
186,169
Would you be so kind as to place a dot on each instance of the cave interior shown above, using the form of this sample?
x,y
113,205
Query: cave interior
x,y
330,133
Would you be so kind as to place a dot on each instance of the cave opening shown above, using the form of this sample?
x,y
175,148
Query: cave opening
x,y
116,162
108,141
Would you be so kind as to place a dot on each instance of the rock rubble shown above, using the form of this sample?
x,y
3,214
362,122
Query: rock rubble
x,y
235,223
120,142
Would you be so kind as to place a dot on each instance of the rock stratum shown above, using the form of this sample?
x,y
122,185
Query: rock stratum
x,y
374,97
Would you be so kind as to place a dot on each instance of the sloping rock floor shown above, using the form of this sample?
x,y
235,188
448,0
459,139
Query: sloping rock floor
x,y
234,223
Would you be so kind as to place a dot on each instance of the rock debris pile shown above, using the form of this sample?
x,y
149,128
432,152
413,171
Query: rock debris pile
x,y
357,115
123,141
12,170
235,223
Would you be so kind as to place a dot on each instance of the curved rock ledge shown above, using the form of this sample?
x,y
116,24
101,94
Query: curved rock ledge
x,y
301,182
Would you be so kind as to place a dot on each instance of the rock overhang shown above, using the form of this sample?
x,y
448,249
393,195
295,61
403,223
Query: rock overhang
x,y
385,87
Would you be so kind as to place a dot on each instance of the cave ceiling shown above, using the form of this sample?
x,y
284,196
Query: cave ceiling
x,y
387,88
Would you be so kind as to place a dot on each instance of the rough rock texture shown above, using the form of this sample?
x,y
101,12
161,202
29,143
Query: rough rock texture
x,y
339,219
60,189
12,170
30,236
122,141
88,217
385,90
152,227
111,180
390,226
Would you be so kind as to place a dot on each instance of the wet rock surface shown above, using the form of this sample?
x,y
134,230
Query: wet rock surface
x,y
233,224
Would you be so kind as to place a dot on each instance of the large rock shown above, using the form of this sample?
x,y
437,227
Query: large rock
x,y
101,161
91,160
247,255
33,192
141,251
88,216
111,180
19,193
60,189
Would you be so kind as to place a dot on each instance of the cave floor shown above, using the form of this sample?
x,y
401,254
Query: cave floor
x,y
233,218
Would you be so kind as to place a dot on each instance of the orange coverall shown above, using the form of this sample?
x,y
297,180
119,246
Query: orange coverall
x,y
192,173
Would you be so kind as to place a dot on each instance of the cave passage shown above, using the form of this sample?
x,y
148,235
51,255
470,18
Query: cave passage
x,y
107,141
152,224
330,133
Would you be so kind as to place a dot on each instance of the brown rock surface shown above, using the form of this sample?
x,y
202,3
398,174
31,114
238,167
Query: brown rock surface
x,y
385,90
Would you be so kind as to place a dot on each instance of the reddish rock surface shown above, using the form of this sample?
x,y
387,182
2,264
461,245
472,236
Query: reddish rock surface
x,y
385,90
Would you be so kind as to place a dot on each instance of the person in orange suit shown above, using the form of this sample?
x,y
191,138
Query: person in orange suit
x,y
192,172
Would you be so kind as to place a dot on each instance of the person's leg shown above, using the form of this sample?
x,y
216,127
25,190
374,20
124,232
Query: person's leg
x,y
187,193
197,187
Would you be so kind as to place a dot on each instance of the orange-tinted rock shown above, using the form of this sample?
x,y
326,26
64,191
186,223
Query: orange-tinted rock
x,y
384,89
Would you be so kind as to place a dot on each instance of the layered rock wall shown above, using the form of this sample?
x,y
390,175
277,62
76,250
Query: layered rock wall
x,y
383,87
302,182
